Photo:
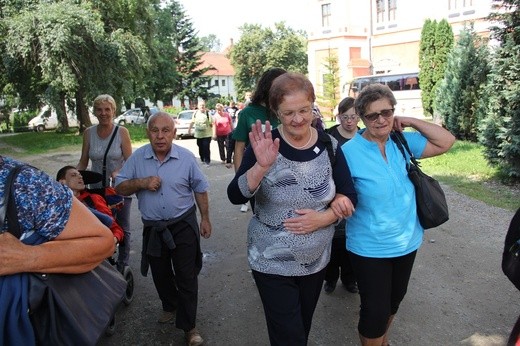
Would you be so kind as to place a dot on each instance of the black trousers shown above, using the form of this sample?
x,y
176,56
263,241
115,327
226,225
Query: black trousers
x,y
175,276
223,148
230,148
204,151
339,265
289,303
382,284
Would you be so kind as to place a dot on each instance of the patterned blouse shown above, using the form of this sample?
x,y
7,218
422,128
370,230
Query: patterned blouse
x,y
299,179
42,203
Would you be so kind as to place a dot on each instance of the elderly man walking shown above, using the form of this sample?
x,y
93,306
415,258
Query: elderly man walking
x,y
168,182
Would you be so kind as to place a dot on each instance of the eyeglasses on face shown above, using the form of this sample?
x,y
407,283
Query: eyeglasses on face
x,y
348,117
303,112
385,113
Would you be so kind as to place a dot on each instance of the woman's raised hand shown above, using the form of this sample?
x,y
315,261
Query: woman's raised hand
x,y
264,147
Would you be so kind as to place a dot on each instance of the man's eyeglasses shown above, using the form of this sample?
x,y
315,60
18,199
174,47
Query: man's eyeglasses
x,y
385,113
348,117
304,112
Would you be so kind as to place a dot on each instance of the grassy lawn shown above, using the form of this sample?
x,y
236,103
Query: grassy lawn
x,y
463,167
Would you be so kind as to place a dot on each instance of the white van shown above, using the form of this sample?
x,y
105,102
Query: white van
x,y
47,119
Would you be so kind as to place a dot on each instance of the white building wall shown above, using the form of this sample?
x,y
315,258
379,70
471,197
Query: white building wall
x,y
389,45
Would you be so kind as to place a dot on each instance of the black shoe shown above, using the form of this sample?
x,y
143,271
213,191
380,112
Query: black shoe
x,y
329,286
352,287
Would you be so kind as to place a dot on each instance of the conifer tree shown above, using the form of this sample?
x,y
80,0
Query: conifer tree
x,y
500,130
426,64
459,92
329,96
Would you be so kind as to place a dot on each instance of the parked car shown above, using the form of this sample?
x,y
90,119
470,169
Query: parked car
x,y
182,123
47,119
134,116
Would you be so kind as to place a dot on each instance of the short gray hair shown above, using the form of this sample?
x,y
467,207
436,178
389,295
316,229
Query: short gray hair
x,y
156,115
370,94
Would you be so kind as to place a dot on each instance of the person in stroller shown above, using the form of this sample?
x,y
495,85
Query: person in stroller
x,y
71,177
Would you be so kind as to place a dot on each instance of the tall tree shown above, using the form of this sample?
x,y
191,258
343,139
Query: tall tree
x,y
427,64
191,82
164,76
66,43
459,92
436,42
132,21
211,43
443,45
262,48
501,126
328,92
52,40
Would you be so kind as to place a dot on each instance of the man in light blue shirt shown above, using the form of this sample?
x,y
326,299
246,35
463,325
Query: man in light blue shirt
x,y
168,183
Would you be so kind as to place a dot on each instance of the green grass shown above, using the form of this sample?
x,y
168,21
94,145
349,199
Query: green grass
x,y
463,167
34,143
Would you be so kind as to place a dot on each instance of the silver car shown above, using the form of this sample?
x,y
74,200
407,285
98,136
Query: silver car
x,y
134,116
182,123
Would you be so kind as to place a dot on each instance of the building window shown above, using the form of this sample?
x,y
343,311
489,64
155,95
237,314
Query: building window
x,y
380,9
223,82
325,15
216,82
392,6
459,4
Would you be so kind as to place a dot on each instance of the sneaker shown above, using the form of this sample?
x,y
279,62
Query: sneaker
x,y
228,165
329,286
193,338
244,208
166,317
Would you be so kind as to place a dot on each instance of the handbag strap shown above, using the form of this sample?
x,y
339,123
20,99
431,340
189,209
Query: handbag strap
x,y
401,142
8,211
106,154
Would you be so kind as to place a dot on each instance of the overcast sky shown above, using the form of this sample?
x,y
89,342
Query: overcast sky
x,y
224,17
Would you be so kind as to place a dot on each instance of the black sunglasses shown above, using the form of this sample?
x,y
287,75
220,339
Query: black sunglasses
x,y
385,113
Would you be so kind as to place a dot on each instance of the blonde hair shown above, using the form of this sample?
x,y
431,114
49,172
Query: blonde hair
x,y
105,98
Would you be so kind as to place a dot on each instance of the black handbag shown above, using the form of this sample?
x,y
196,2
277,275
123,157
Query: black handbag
x,y
68,309
432,207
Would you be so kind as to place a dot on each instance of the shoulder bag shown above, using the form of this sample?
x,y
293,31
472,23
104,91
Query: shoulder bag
x,y
114,200
432,207
67,309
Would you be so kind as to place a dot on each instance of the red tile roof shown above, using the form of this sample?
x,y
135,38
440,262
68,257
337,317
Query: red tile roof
x,y
220,62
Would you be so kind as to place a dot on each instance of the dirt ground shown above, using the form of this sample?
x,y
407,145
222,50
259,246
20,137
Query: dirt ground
x,y
457,295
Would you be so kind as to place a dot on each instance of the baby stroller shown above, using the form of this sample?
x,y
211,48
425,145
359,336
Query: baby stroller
x,y
114,202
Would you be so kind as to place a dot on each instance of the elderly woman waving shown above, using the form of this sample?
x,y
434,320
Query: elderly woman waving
x,y
294,173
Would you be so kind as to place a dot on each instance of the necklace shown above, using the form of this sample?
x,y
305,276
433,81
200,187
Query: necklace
x,y
294,146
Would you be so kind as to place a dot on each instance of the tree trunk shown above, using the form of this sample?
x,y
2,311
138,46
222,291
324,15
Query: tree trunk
x,y
61,112
82,111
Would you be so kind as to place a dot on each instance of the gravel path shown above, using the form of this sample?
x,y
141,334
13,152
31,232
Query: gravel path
x,y
458,294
